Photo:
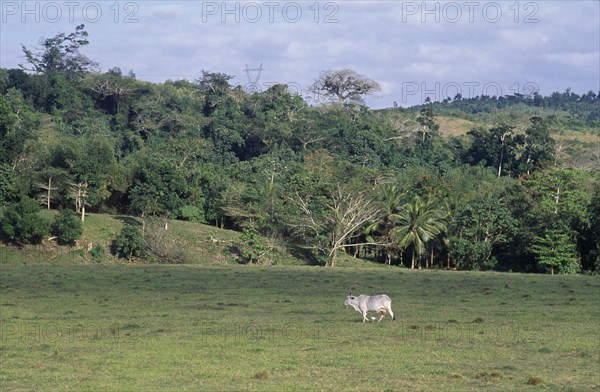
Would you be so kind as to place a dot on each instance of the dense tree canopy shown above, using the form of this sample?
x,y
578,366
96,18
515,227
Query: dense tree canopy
x,y
392,185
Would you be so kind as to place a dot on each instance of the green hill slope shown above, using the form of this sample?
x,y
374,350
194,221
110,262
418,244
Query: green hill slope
x,y
183,242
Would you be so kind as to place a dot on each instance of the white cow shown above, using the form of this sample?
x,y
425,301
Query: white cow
x,y
381,304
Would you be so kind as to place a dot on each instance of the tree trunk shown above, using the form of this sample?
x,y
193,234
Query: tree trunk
x,y
431,259
501,155
412,260
49,191
500,165
48,188
77,198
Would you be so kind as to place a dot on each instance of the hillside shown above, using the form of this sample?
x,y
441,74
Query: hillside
x,y
508,183
183,242
575,147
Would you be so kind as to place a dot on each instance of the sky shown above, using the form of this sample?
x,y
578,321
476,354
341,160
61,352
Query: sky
x,y
413,49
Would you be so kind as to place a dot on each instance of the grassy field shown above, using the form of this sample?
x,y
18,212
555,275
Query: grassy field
x,y
111,327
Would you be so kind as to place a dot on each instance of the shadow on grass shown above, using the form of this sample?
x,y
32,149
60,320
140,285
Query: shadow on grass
x,y
129,220
303,254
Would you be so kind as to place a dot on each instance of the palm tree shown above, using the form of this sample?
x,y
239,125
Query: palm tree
x,y
389,200
416,224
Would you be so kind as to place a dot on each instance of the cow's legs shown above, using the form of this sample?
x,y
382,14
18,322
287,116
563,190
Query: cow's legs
x,y
391,313
382,312
365,318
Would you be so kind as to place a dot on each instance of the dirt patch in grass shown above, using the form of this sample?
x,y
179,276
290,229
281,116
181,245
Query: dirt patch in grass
x,y
534,380
262,375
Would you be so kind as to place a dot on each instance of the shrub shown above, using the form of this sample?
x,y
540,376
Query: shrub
x,y
22,223
470,255
129,243
160,245
67,227
191,213
97,253
253,246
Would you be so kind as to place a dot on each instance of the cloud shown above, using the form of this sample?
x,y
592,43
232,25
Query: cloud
x,y
524,40
162,12
387,41
575,59
425,70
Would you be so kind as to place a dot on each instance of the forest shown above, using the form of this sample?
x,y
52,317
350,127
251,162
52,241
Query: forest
x,y
505,183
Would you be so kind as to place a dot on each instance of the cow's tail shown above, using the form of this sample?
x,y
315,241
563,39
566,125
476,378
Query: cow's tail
x,y
394,318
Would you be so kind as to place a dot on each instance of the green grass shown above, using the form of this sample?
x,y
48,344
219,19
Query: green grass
x,y
117,327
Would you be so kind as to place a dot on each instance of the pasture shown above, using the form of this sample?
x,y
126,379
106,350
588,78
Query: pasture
x,y
116,327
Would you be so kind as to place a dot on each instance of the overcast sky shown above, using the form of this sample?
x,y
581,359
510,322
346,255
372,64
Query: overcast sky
x,y
413,49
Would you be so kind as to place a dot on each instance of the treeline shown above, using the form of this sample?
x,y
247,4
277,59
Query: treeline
x,y
337,178
563,109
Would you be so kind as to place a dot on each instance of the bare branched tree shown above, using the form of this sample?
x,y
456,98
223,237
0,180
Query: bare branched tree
x,y
334,221
79,192
111,85
402,128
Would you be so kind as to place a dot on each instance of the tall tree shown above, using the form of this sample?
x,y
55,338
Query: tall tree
x,y
417,223
330,223
60,55
215,87
495,148
477,228
8,179
389,200
538,147
590,235
110,88
427,120
158,189
344,85
560,198
556,250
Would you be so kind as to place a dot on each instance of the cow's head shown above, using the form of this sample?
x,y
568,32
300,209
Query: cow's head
x,y
350,299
